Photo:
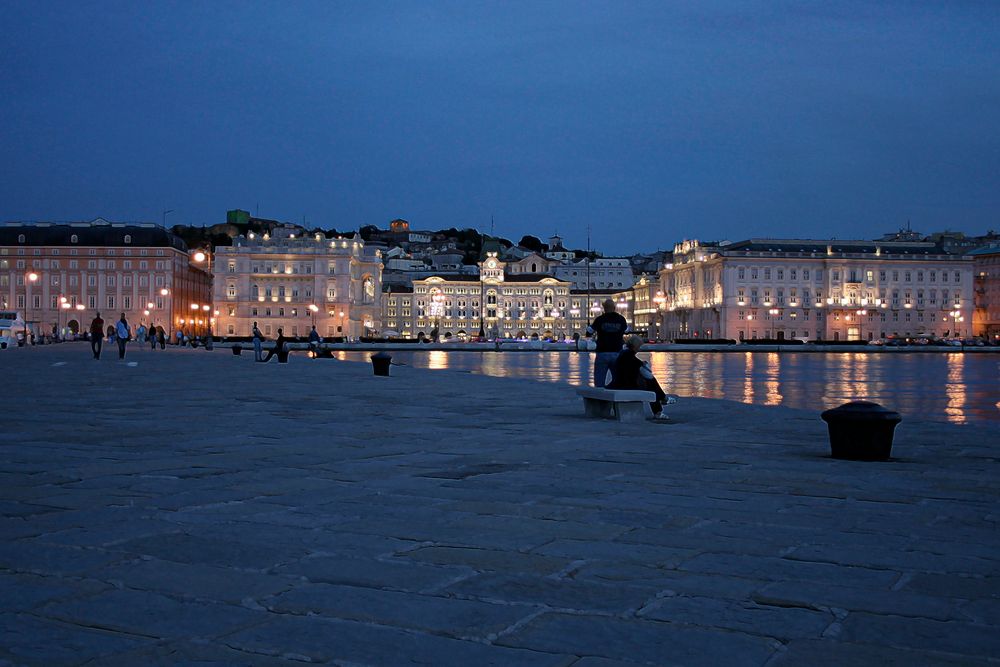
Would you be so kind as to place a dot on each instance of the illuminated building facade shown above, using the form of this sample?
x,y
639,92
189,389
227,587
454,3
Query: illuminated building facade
x,y
61,275
815,289
986,281
495,304
292,280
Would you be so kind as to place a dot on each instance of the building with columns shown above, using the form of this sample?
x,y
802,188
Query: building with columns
x,y
59,275
815,290
498,303
292,280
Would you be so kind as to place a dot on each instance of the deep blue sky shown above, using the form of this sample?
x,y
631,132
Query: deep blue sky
x,y
650,122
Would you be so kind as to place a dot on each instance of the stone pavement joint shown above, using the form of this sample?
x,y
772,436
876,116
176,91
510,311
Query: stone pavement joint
x,y
199,508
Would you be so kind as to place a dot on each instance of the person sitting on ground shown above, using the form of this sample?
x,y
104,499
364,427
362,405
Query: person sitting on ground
x,y
631,372
279,345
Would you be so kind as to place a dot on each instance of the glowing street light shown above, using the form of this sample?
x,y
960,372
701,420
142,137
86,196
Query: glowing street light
x,y
313,308
773,312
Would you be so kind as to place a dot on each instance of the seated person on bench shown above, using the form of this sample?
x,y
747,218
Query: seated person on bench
x,y
630,372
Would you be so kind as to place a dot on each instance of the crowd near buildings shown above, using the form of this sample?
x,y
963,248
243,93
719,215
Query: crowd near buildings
x,y
451,285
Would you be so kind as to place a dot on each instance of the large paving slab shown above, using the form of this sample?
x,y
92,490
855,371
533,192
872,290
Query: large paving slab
x,y
198,508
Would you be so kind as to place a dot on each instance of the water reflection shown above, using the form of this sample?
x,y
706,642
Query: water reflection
x,y
954,387
437,360
772,386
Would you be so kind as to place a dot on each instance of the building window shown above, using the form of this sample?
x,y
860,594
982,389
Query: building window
x,y
231,290
127,302
232,267
111,302
128,238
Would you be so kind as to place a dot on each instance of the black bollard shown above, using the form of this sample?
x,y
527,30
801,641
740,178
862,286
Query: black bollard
x,y
861,431
381,362
237,350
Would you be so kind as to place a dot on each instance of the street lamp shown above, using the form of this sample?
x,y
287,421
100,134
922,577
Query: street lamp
x,y
64,305
313,308
749,318
861,312
773,313
956,315
32,277
342,332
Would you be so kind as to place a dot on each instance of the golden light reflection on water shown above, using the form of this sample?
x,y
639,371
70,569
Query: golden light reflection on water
x,y
748,378
955,389
437,360
772,385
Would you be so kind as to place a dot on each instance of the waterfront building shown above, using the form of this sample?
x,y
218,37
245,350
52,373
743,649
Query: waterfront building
x,y
496,304
986,281
815,289
602,273
294,280
60,274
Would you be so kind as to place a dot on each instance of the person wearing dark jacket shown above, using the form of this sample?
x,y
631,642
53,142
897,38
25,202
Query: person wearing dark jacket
x,y
96,336
279,345
631,372
610,329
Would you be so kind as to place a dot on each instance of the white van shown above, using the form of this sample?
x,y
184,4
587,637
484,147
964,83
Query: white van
x,y
11,329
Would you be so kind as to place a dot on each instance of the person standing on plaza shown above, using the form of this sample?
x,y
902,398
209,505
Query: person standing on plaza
x,y
123,334
314,341
630,372
610,329
279,346
140,334
97,336
161,336
258,341
152,336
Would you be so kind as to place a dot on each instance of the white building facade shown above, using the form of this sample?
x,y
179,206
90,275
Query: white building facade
x,y
498,303
291,280
603,273
815,290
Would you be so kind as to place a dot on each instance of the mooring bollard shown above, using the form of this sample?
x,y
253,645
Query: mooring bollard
x,y
861,431
237,350
381,362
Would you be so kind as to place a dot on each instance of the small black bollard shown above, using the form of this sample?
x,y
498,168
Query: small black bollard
x,y
237,350
381,362
283,354
861,431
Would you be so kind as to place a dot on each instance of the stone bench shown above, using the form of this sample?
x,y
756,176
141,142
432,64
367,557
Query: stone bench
x,y
625,405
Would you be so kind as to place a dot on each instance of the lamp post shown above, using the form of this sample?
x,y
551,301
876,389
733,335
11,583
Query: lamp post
x,y
749,318
956,315
342,332
773,312
31,278
312,309
64,304
861,312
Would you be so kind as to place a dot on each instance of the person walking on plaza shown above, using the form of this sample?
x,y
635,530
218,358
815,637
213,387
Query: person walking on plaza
x,y
610,329
123,334
97,336
630,372
314,341
140,334
152,336
279,346
161,336
258,341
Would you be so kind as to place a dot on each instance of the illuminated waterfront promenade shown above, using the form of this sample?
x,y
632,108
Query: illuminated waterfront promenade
x,y
200,507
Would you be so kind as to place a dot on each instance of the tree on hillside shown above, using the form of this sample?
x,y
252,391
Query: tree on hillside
x,y
532,243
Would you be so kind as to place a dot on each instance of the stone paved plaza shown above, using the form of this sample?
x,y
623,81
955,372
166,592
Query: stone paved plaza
x,y
197,508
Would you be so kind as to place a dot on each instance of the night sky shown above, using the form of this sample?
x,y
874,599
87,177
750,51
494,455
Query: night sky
x,y
649,122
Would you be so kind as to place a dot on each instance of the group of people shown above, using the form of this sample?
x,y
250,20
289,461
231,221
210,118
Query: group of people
x,y
121,333
616,358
